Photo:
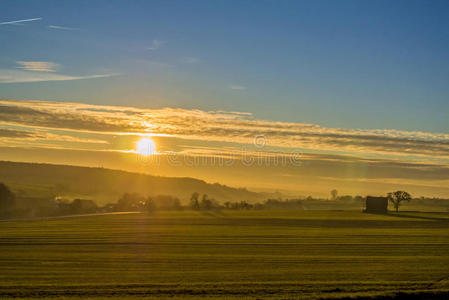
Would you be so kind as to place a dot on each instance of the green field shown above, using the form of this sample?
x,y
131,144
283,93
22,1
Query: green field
x,y
226,254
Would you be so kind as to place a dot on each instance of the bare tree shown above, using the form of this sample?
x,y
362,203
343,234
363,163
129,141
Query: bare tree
x,y
194,203
397,197
206,203
334,194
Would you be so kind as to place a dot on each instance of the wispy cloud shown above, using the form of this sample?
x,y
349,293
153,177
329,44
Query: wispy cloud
x,y
61,27
156,44
10,134
16,76
39,66
238,87
17,22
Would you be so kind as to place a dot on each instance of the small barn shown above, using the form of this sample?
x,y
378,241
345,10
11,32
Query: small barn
x,y
376,205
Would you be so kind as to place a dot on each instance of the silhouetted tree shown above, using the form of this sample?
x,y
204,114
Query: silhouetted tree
x,y
150,205
79,206
131,202
283,204
346,198
194,203
334,194
397,197
167,202
206,203
245,205
7,198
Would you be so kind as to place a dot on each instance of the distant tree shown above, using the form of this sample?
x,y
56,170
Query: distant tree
x,y
283,204
245,205
166,202
397,197
346,198
206,203
334,194
194,203
7,198
79,206
150,205
130,202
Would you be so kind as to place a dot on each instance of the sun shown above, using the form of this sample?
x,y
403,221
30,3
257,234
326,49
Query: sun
x,y
146,146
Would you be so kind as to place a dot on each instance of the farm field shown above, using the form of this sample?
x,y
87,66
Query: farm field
x,y
226,254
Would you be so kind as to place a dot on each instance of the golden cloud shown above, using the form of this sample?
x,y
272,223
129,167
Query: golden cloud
x,y
233,127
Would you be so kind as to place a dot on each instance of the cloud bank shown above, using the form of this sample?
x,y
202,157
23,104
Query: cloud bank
x,y
235,127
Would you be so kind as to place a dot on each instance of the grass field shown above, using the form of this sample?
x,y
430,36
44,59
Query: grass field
x,y
241,254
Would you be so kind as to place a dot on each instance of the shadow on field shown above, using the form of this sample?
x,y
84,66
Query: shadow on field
x,y
262,291
429,218
329,223
401,296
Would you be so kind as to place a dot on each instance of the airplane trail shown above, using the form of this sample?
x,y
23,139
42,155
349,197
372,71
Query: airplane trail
x,y
20,21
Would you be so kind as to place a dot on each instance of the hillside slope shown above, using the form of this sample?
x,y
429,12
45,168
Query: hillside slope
x,y
106,185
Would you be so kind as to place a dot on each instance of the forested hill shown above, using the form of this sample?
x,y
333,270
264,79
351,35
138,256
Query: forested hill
x,y
106,185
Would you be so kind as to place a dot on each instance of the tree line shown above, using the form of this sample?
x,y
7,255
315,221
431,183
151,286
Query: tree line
x,y
395,198
138,202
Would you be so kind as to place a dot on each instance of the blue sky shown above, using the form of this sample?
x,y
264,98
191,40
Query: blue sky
x,y
357,90
348,64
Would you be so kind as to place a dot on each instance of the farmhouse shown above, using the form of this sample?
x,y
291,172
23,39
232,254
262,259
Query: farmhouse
x,y
376,205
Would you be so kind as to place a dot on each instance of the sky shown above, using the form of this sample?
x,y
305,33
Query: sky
x,y
357,90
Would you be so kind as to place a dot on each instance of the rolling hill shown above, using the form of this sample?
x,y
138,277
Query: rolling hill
x,y
106,185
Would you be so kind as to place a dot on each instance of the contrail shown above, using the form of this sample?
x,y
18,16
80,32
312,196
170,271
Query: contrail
x,y
20,21
61,27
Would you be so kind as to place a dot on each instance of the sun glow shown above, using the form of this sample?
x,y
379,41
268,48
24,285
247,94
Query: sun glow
x,y
146,146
